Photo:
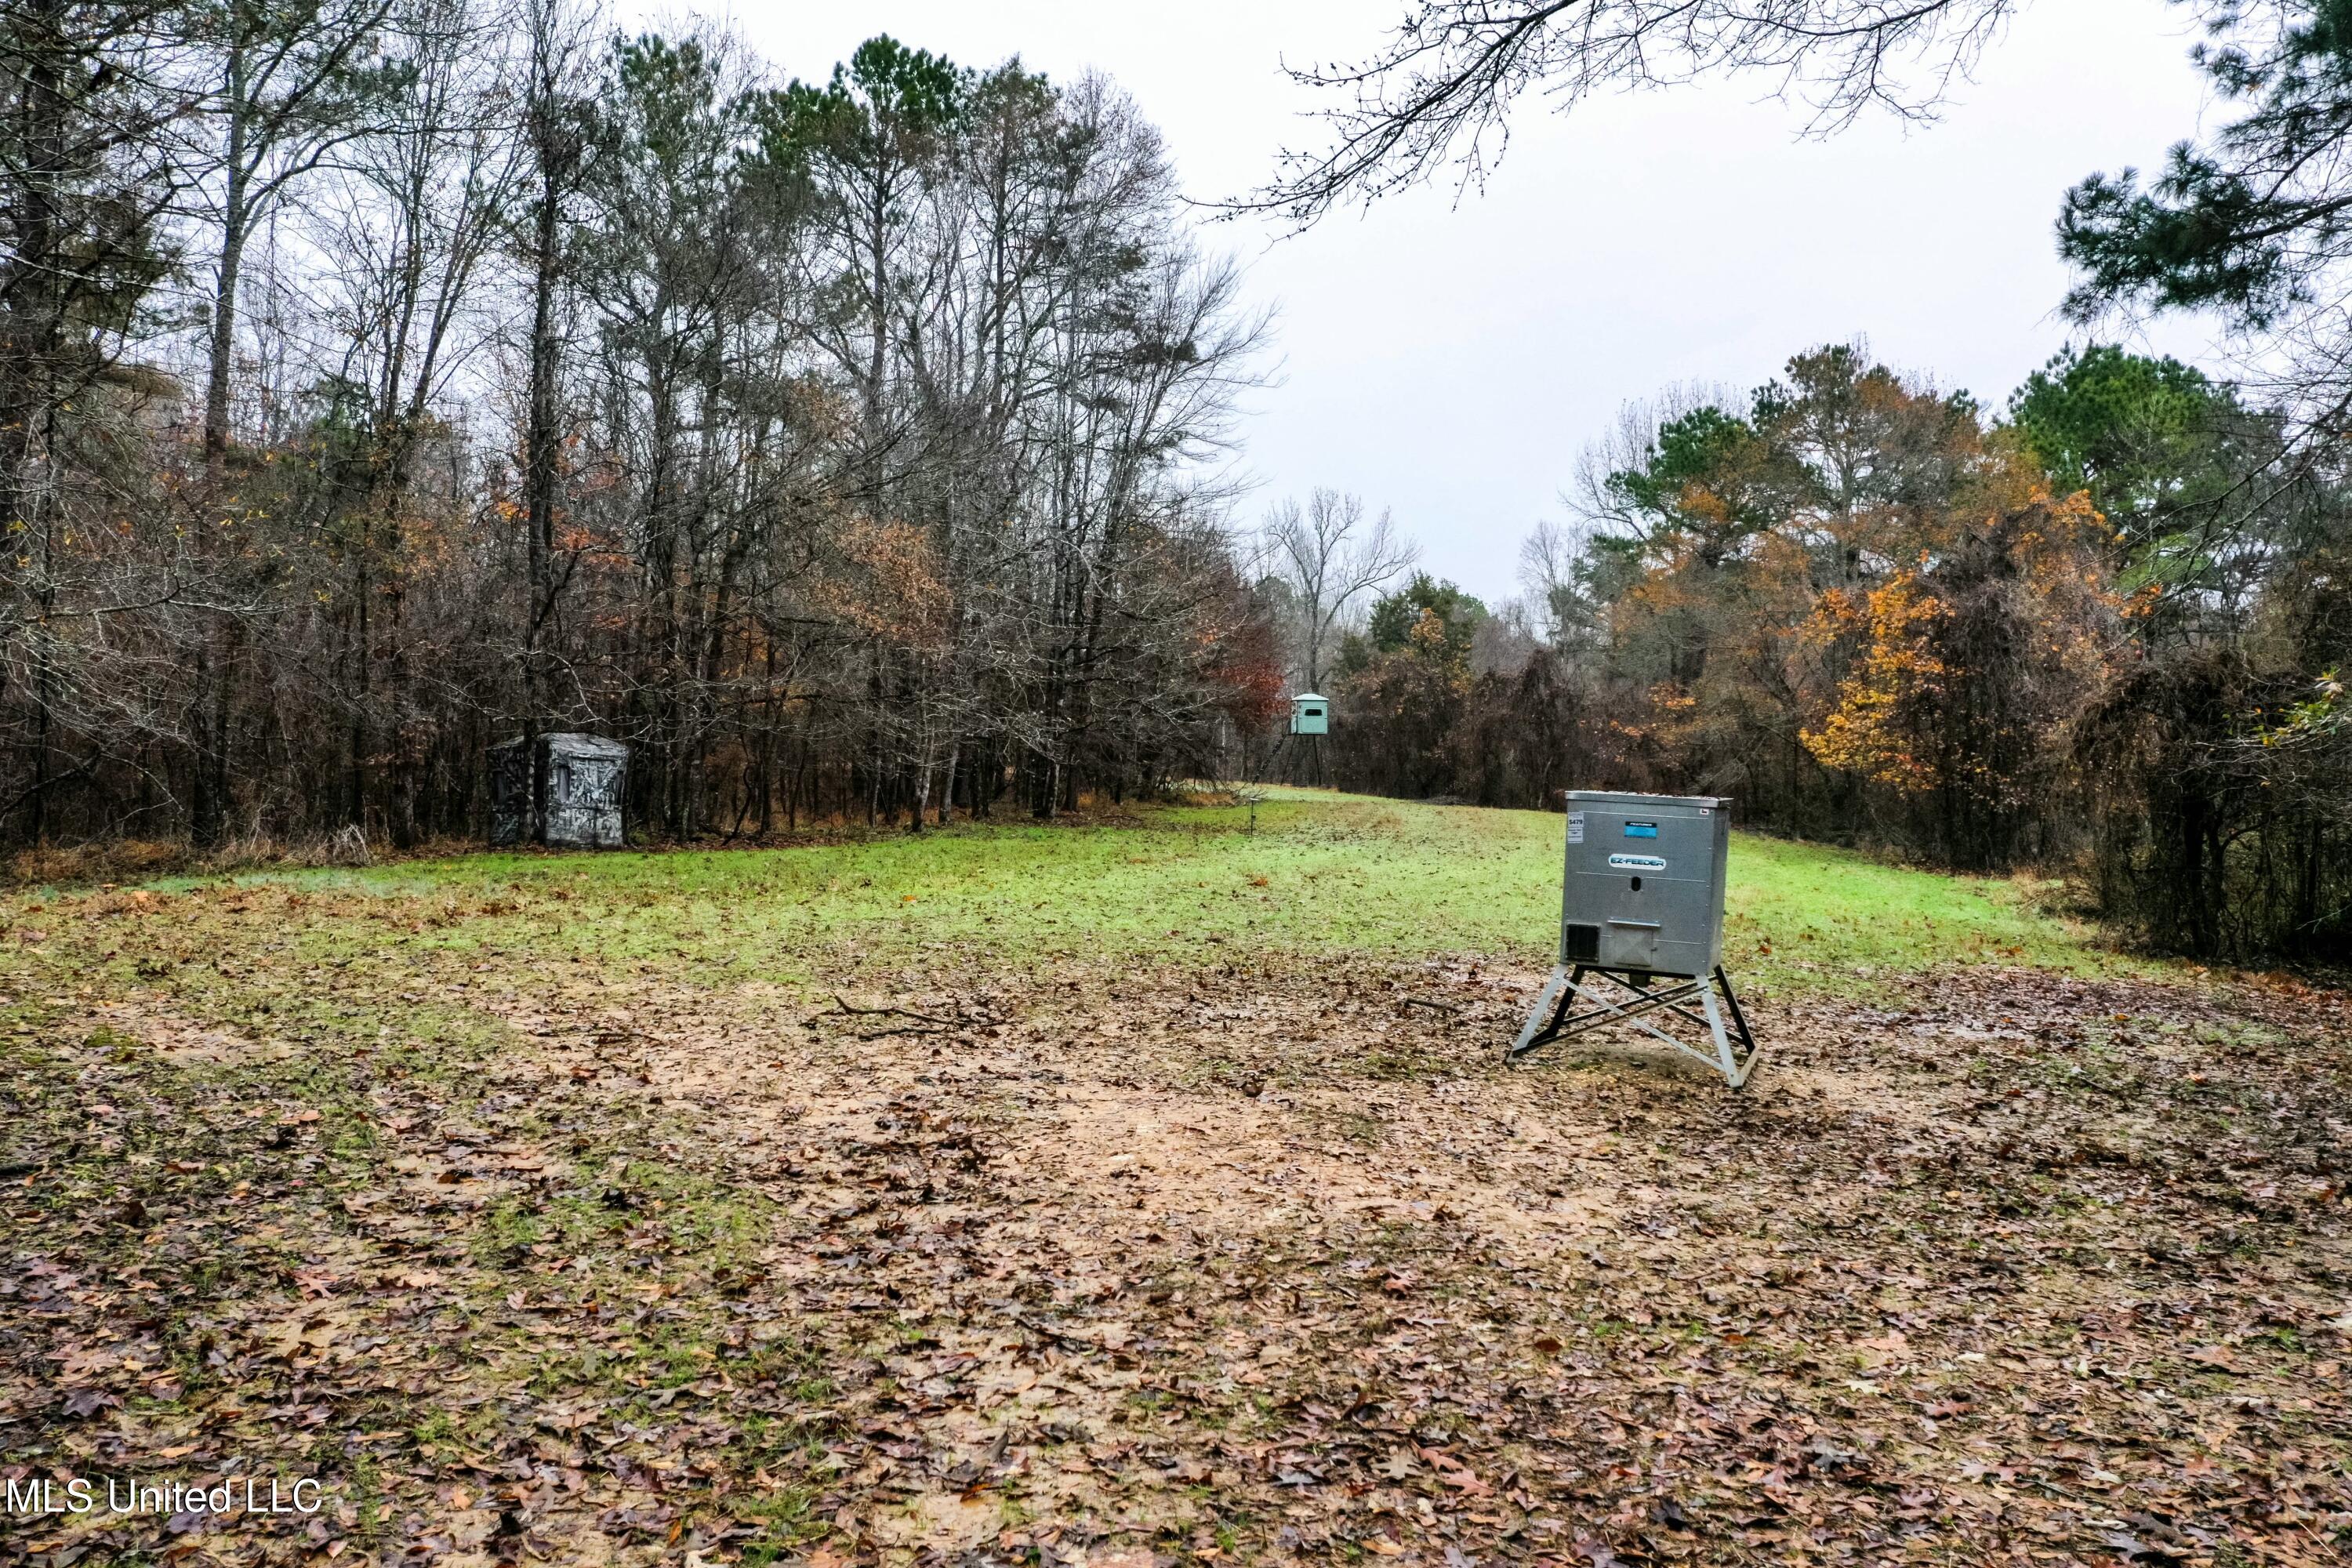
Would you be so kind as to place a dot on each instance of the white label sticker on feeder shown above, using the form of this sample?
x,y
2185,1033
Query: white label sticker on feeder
x,y
1576,828
1637,862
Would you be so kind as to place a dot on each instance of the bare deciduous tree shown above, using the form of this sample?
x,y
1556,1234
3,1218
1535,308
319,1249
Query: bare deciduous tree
x,y
1330,558
845,449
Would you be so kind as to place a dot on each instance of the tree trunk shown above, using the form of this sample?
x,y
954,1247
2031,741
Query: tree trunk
x,y
539,451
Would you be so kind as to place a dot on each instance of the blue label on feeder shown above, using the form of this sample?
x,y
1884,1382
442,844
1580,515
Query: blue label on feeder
x,y
1640,830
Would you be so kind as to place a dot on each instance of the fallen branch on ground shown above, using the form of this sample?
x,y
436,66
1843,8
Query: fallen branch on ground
x,y
923,1023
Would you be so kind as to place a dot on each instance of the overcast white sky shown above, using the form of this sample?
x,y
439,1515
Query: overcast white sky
x,y
1448,360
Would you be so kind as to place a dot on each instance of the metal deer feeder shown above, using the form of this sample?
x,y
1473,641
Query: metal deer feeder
x,y
564,790
1642,910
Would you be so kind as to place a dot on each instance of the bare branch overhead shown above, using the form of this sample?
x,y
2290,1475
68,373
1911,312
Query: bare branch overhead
x,y
1438,95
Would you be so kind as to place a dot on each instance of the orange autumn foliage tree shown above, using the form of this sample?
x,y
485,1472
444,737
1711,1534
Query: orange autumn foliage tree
x,y
1851,603
1971,666
1868,732
888,583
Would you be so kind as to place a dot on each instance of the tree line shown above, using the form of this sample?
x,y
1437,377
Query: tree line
x,y
383,379
2101,630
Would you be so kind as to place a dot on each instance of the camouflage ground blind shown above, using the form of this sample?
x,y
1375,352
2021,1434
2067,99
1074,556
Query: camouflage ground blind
x,y
564,790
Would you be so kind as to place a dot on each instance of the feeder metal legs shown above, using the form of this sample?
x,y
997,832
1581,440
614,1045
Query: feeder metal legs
x,y
1569,1004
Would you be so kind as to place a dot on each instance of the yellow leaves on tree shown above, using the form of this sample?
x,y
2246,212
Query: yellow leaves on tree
x,y
1867,732
1968,662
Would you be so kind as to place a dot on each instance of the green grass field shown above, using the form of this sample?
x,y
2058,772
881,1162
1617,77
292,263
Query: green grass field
x,y
1321,874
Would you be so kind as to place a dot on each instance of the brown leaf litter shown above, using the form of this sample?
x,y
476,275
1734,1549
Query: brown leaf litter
x,y
1192,1266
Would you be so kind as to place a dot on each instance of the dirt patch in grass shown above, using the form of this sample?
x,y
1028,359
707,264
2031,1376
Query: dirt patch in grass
x,y
931,1261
